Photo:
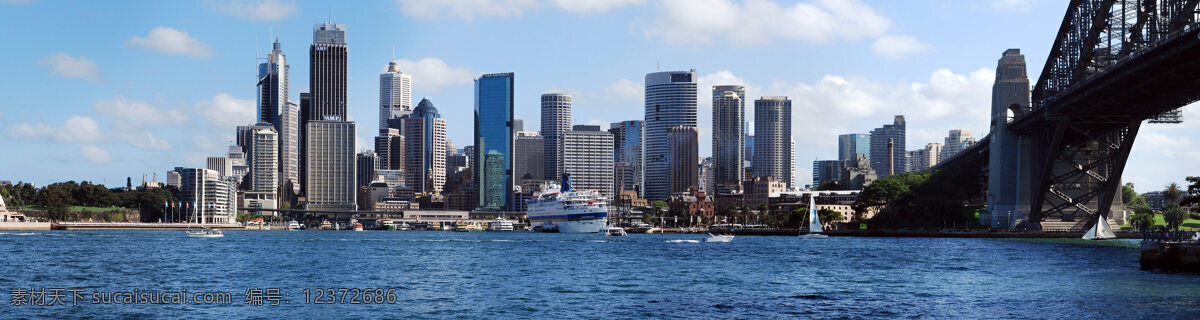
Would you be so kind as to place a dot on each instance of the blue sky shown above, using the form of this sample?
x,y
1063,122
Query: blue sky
x,y
103,90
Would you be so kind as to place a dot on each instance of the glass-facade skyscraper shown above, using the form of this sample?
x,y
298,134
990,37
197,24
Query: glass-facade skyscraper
x,y
494,140
894,132
670,102
627,148
853,143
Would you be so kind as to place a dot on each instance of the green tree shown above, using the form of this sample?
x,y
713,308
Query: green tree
x,y
1173,194
1174,216
1193,192
829,185
797,218
1143,218
829,216
58,213
1130,197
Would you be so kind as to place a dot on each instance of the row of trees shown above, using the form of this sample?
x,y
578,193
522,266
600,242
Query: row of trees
x,y
922,199
56,199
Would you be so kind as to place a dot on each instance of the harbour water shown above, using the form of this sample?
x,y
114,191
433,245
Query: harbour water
x,y
529,275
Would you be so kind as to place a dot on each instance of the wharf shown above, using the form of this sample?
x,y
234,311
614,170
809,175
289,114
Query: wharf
x,y
24,226
1170,255
140,226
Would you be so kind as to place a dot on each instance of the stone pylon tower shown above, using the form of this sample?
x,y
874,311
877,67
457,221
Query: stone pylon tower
x,y
1009,163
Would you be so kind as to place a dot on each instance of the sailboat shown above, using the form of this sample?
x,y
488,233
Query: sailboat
x,y
204,232
814,221
1101,231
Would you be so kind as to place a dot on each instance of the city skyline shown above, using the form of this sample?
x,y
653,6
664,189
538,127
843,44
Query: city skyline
x,y
167,106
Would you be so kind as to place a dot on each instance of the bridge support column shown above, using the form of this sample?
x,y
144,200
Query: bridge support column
x,y
1011,155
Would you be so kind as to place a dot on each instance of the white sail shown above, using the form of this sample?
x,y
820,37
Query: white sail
x,y
2,207
814,222
1100,231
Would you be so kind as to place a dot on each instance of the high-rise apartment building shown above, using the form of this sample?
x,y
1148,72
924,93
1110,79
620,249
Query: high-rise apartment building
x,y
207,197
395,94
880,138
264,159
956,141
289,146
494,140
923,159
670,102
685,157
773,155
728,144
425,149
588,159
556,119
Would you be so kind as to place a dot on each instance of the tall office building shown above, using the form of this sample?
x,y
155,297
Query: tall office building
x,y
289,146
530,157
328,57
330,160
627,148
853,143
670,102
826,170
773,155
895,133
956,141
728,144
518,125
556,119
273,86
424,149
243,138
494,140
685,157
395,94
389,146
748,155
366,162
588,158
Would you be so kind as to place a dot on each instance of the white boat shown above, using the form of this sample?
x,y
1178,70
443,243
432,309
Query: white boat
x,y
814,221
615,232
1100,231
293,225
719,238
205,233
567,210
358,226
500,224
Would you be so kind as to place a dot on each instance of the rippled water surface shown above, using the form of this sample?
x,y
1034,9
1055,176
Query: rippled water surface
x,y
528,275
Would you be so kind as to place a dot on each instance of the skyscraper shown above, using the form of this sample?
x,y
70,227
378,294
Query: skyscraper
x,y
530,157
289,146
494,139
327,63
670,102
209,198
556,119
853,143
627,148
366,163
895,133
330,161
272,85
685,157
424,149
264,159
728,144
389,146
826,170
395,94
773,155
923,159
588,158
956,141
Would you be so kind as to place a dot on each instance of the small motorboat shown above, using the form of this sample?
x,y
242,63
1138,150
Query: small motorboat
x,y
615,232
358,226
205,233
293,225
719,238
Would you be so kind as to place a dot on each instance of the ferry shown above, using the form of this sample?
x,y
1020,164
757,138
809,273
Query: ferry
x,y
500,224
567,210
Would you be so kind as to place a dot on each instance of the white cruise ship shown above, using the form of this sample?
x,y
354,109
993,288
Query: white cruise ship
x,y
568,211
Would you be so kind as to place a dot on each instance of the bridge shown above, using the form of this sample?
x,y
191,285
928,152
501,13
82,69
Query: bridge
x,y
1055,154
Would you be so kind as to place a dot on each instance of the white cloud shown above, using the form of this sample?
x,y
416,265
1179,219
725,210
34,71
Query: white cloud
x,y
464,9
94,154
627,89
1012,5
433,74
76,129
226,111
898,47
265,10
171,41
593,6
146,140
66,66
758,22
133,113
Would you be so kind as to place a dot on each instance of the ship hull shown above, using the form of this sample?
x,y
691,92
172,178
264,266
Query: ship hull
x,y
591,222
